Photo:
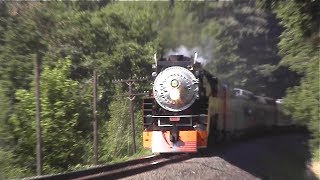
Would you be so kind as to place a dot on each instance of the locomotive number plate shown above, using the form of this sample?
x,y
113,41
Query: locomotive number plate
x,y
174,118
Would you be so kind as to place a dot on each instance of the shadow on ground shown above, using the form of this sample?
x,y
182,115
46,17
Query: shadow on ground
x,y
277,156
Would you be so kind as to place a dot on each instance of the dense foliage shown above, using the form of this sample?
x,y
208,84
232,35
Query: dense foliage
x,y
271,50
299,49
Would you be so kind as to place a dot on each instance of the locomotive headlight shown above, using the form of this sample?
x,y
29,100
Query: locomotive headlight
x,y
174,83
175,94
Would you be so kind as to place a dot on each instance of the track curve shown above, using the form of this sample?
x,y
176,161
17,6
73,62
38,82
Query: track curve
x,y
119,170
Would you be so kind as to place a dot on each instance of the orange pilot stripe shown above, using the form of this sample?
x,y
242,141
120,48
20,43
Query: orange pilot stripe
x,y
189,141
202,138
147,138
188,136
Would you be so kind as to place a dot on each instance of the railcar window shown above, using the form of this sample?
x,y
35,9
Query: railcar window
x,y
236,92
252,97
271,101
261,100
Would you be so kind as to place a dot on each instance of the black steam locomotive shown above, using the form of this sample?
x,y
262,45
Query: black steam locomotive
x,y
190,109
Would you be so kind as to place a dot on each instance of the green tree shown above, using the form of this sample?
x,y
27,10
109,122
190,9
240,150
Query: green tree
x,y
8,167
131,57
238,40
299,48
63,140
115,133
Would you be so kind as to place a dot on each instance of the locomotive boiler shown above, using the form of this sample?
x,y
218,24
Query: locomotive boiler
x,y
189,109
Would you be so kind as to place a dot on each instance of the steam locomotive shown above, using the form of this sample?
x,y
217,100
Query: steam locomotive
x,y
189,108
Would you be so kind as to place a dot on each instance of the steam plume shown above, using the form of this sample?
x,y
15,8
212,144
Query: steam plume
x,y
182,50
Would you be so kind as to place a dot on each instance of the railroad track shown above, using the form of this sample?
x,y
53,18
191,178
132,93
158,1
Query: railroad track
x,y
119,170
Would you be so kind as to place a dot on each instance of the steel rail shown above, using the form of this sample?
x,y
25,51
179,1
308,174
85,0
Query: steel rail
x,y
136,169
119,170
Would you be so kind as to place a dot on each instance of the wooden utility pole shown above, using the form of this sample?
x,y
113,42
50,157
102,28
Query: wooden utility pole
x,y
171,3
95,123
38,121
131,97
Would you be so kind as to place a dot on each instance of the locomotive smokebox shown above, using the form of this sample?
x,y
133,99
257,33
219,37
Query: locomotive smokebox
x,y
175,88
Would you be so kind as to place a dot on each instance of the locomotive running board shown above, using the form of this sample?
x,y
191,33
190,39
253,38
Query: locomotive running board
x,y
181,116
169,125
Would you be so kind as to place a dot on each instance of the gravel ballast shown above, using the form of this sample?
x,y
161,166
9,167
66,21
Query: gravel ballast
x,y
269,157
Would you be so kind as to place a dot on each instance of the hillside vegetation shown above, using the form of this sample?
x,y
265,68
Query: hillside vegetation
x,y
268,47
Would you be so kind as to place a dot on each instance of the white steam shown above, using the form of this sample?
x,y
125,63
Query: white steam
x,y
182,50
